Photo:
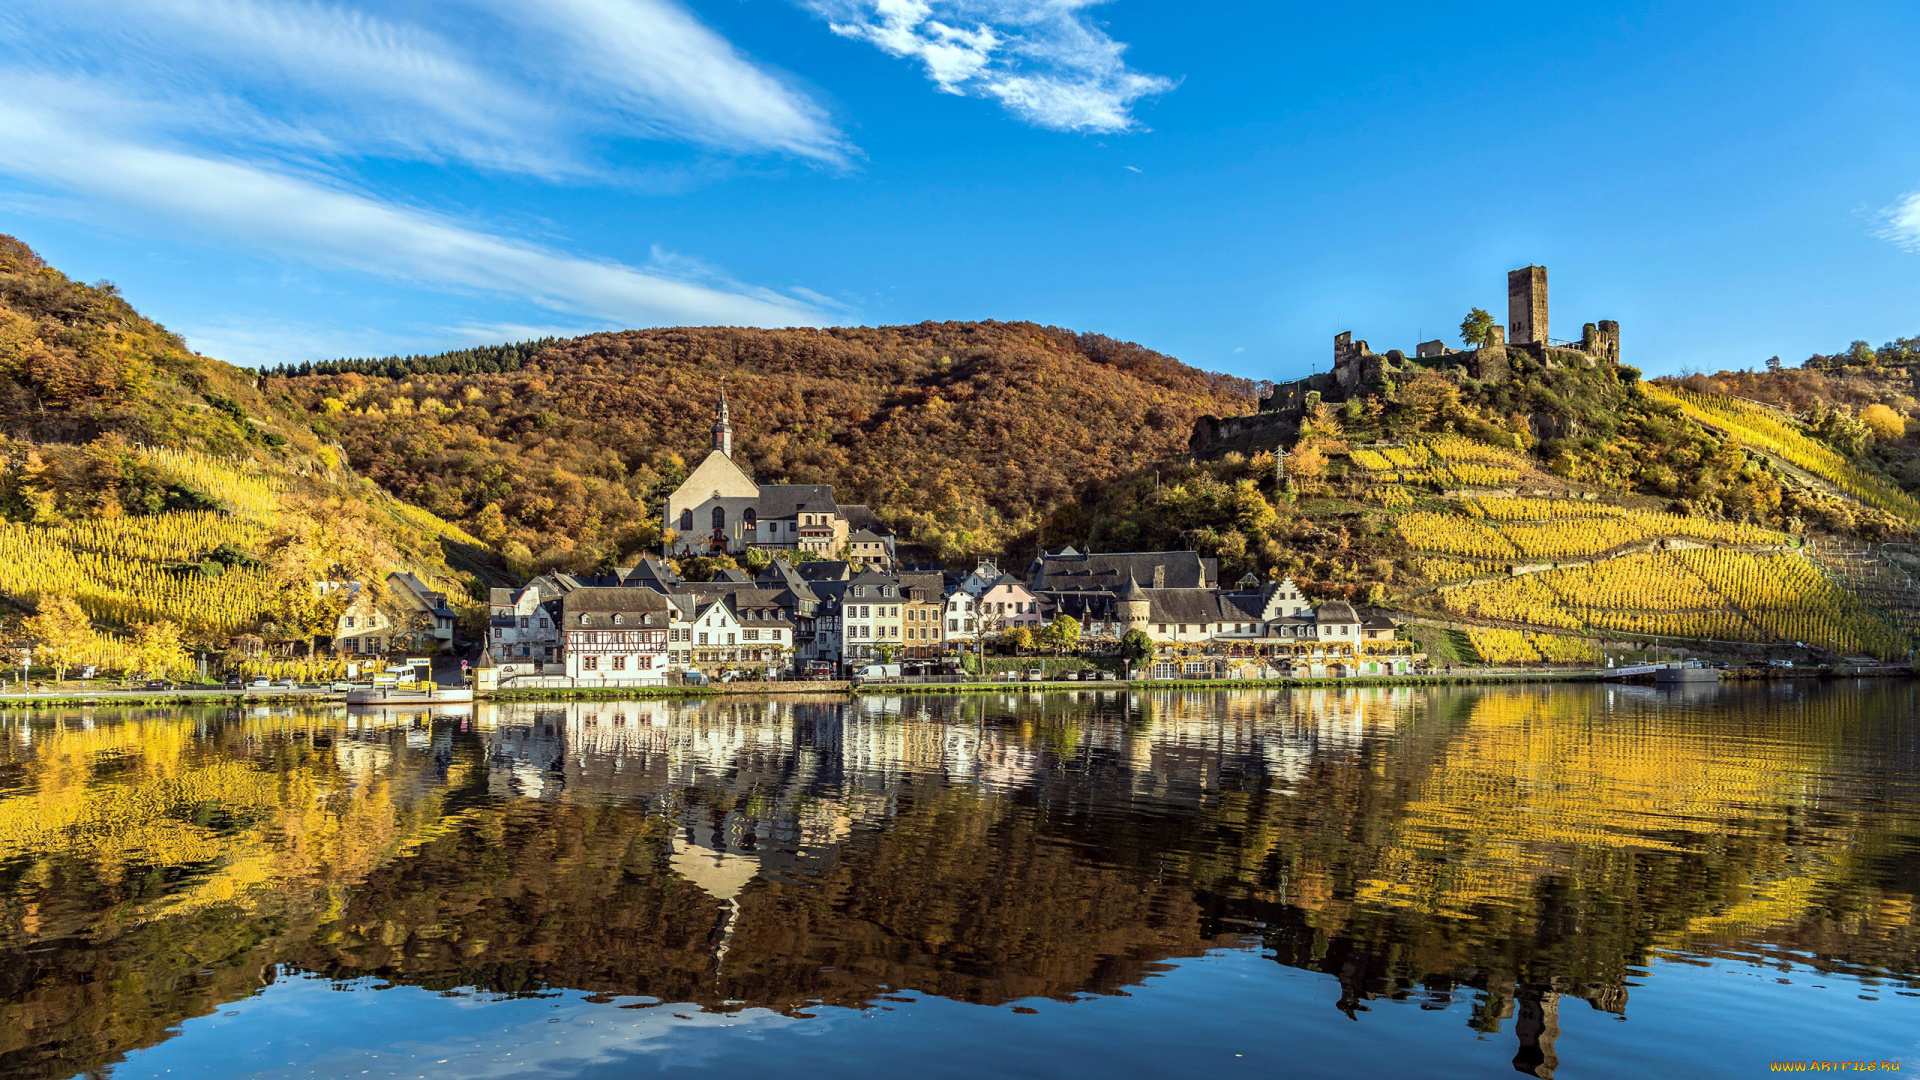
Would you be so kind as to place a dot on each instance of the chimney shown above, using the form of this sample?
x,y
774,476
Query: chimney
x,y
1160,576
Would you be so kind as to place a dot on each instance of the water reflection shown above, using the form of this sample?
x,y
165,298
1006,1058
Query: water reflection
x,y
1500,853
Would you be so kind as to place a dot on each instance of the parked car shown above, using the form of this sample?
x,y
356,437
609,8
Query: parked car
x,y
1036,674
156,684
235,682
878,671
261,683
1108,676
285,684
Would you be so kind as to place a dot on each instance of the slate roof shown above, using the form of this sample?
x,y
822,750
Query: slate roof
x,y
1058,572
788,500
750,606
1188,606
1336,611
823,570
930,584
736,577
594,608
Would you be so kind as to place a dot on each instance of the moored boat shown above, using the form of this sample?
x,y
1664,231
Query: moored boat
x,y
1690,672
396,695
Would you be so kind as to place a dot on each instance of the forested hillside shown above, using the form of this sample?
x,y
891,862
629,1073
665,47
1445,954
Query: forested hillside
x,y
964,436
152,495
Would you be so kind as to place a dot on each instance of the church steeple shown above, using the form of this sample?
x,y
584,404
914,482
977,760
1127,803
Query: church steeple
x,y
723,426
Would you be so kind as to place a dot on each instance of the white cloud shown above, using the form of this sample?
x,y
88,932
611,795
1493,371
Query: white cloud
x,y
1903,222
496,83
671,75
283,212
1044,60
247,120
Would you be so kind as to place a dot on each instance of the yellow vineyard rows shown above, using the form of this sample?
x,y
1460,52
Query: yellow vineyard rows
x,y
1444,571
1761,429
169,538
1521,647
116,588
1729,595
1507,529
242,491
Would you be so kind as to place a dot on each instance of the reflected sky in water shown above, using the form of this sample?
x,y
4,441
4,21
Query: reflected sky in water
x,y
1563,881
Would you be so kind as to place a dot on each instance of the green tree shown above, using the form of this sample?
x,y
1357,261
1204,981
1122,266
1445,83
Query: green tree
x,y
1062,633
1136,647
64,633
1477,328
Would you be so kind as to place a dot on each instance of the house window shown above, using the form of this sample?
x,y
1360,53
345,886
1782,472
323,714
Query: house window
x,y
1160,628
496,633
352,644
729,639
524,622
719,519
644,663
543,624
953,626
619,620
686,521
348,620
749,519
703,637
753,635
591,663
619,663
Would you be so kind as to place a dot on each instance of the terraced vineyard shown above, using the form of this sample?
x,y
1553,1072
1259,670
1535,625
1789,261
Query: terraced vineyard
x,y
1446,460
1763,430
1705,593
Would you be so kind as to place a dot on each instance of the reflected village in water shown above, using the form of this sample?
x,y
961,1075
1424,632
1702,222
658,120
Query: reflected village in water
x,y
1498,853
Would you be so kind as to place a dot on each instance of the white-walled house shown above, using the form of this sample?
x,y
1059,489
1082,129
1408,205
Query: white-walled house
x,y
615,637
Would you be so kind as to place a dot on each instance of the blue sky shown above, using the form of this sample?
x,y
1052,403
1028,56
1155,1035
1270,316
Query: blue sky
x,y
1229,183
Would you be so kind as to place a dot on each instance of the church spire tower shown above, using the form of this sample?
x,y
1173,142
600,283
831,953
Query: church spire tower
x,y
723,426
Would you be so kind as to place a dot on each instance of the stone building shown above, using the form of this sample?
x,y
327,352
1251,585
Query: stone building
x,y
719,508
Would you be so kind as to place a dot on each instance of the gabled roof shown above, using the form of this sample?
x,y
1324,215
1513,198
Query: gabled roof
x,y
735,576
596,608
1335,611
717,473
1380,622
824,570
930,585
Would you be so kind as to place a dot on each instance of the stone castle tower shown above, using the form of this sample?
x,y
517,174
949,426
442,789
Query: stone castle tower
x,y
1527,305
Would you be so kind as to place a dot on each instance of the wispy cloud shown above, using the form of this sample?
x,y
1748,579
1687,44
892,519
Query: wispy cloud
x,y
250,122
283,212
1044,60
1903,222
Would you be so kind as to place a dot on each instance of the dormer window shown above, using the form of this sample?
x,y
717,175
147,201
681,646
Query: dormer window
x,y
619,619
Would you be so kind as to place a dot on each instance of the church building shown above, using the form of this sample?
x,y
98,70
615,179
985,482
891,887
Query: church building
x,y
720,509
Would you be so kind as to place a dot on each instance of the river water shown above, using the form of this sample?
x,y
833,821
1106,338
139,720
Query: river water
x,y
1571,881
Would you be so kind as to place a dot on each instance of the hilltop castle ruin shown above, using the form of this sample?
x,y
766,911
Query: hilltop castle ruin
x,y
1524,339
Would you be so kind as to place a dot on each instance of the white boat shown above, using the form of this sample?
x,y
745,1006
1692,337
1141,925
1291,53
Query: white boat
x,y
394,695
